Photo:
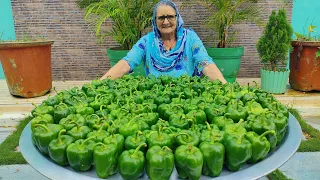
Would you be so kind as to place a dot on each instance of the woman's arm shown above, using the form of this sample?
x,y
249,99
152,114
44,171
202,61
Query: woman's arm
x,y
117,71
213,73
130,61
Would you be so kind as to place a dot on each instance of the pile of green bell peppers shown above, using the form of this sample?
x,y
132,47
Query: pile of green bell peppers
x,y
137,124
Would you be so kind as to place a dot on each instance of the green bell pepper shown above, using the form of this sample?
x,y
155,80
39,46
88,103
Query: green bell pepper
x,y
96,103
198,116
80,154
281,122
213,111
131,163
221,100
238,151
150,118
132,142
236,130
187,137
221,121
249,96
160,163
189,162
212,133
105,158
159,138
58,148
41,119
172,109
52,101
260,145
42,109
213,157
277,107
137,108
130,128
117,139
79,132
254,108
44,134
236,111
99,135
72,120
62,111
179,121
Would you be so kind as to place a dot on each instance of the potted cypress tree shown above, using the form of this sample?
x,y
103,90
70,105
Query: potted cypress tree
x,y
225,14
273,48
305,61
129,20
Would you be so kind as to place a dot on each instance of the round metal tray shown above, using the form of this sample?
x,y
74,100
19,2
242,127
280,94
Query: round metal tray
x,y
274,160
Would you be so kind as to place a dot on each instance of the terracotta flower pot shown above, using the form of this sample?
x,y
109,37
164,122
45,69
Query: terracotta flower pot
x,y
304,66
27,67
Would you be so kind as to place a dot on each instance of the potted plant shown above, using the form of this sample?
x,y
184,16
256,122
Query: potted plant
x,y
273,48
129,20
223,15
27,66
305,61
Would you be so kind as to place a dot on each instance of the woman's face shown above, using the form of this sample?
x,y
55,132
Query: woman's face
x,y
166,19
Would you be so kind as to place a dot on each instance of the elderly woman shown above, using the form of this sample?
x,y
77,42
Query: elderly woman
x,y
169,50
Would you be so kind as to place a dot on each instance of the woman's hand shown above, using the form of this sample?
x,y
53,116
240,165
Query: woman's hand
x,y
213,73
117,71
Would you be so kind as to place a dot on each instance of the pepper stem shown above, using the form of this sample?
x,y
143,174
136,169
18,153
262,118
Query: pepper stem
x,y
97,96
208,126
138,148
62,104
100,129
190,148
87,140
168,129
266,133
34,104
166,148
43,126
100,144
159,130
55,90
137,135
102,112
59,136
240,138
240,122
95,115
186,134
84,94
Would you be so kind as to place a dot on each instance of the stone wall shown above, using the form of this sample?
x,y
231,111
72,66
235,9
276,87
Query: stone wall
x,y
76,55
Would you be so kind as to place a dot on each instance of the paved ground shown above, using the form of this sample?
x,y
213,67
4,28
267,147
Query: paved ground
x,y
300,167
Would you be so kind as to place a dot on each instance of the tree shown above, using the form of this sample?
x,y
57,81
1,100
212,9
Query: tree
x,y
275,43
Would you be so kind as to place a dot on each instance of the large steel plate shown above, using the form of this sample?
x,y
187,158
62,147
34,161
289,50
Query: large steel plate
x,y
274,160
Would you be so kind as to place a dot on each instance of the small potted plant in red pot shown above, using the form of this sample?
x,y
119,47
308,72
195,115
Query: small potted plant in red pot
x,y
305,62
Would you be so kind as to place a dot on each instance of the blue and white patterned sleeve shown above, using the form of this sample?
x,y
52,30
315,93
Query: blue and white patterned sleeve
x,y
137,53
199,52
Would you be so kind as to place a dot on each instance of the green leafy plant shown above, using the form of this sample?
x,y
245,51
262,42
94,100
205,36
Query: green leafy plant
x,y
129,18
24,38
275,43
226,13
309,37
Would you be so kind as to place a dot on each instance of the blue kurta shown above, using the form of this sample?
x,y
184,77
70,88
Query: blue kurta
x,y
188,57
